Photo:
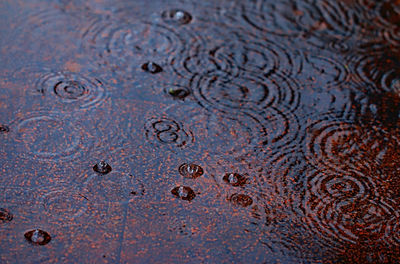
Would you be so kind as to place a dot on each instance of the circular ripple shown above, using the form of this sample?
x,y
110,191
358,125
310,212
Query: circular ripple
x,y
378,71
393,232
205,59
241,200
50,136
166,131
72,89
114,187
283,18
339,144
344,207
342,18
325,72
123,47
246,92
64,205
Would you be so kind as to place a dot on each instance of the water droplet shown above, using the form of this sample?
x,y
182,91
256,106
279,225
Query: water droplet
x,y
152,67
242,200
235,179
5,215
191,170
176,16
102,167
38,237
184,192
178,92
4,129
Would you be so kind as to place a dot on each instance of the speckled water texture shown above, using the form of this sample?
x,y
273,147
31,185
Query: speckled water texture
x,y
257,131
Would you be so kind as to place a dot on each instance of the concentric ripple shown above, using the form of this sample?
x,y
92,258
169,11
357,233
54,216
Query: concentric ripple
x,y
339,144
379,70
221,133
64,205
124,46
49,136
344,207
283,18
115,187
324,72
201,58
72,89
166,131
247,92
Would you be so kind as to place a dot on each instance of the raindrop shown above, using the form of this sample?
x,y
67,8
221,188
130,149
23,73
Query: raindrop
x,y
184,192
178,92
38,237
191,170
102,167
4,129
235,179
242,200
5,215
152,67
176,16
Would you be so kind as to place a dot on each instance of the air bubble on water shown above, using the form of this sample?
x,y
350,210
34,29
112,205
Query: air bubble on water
x,y
176,16
5,215
183,192
4,129
38,237
235,179
102,167
152,67
191,170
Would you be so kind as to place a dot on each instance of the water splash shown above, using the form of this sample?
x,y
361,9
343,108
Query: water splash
x,y
184,193
38,237
190,170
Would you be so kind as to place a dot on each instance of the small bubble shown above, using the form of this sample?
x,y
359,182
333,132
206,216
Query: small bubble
x,y
242,200
102,167
4,129
38,237
190,170
5,215
176,16
235,179
178,92
183,192
152,67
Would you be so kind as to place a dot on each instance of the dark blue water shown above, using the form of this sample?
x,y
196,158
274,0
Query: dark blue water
x,y
185,131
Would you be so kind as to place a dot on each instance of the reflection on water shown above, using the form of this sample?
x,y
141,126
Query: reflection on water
x,y
290,108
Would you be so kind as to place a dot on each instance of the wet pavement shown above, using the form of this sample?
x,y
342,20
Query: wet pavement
x,y
185,131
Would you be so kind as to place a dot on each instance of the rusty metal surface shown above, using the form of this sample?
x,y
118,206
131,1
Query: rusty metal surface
x,y
182,131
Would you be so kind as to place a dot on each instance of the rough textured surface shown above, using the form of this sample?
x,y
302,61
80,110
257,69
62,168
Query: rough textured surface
x,y
290,108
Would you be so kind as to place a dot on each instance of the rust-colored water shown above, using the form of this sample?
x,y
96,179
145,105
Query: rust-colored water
x,y
257,131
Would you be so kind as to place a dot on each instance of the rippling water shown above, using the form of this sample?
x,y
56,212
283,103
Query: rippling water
x,y
252,131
